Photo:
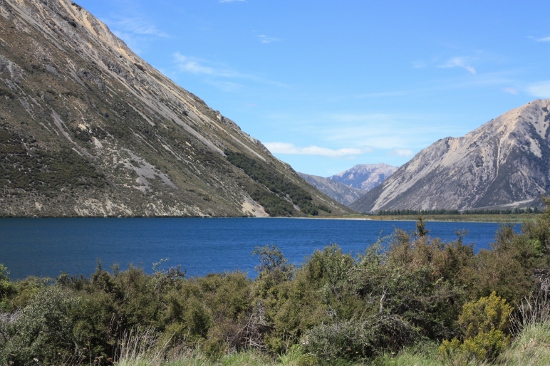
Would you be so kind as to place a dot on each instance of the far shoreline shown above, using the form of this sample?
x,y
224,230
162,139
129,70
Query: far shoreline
x,y
503,218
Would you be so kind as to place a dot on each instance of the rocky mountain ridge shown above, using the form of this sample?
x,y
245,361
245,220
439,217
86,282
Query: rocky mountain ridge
x,y
348,186
365,176
88,128
340,192
503,163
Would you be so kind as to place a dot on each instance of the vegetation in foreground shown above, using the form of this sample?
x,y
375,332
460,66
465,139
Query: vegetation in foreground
x,y
409,299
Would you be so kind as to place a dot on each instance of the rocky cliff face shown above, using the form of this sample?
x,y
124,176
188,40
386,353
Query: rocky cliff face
x,y
504,163
87,128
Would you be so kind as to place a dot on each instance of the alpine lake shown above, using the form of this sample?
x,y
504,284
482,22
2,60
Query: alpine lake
x,y
47,247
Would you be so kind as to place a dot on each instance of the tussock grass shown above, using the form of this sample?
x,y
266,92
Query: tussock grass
x,y
197,358
531,347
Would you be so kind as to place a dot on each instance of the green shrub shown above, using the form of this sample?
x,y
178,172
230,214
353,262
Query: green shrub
x,y
23,291
42,330
486,345
6,287
484,315
352,340
484,323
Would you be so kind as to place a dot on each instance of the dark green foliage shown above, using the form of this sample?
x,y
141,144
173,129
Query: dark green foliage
x,y
6,287
40,330
272,203
25,166
273,268
352,340
280,194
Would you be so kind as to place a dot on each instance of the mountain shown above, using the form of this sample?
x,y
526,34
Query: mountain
x,y
503,163
87,128
365,176
335,190
350,185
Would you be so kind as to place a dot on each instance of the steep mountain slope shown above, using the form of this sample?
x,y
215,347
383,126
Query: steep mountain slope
x,y
335,190
365,176
504,163
87,128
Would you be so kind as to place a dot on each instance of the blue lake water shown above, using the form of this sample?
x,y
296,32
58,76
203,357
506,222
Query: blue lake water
x,y
47,247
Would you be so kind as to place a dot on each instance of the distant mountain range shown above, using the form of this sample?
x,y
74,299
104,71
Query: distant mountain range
x,y
503,164
365,176
88,128
350,185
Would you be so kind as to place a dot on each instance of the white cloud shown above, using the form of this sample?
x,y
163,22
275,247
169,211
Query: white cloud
x,y
226,86
543,39
192,65
136,26
291,149
135,32
406,153
265,39
419,64
382,131
540,90
513,91
461,62
197,66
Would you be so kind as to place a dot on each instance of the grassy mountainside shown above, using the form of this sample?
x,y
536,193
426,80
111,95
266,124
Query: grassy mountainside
x,y
87,128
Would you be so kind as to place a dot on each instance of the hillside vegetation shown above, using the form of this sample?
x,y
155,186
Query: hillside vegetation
x,y
408,299
88,128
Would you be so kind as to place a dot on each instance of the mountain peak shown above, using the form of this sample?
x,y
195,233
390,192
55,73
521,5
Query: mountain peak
x,y
348,186
503,162
365,176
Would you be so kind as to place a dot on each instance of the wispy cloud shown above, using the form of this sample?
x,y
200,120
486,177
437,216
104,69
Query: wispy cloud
x,y
194,65
291,149
513,91
540,89
419,64
225,86
392,135
198,66
265,39
405,153
390,132
541,39
136,26
135,31
461,62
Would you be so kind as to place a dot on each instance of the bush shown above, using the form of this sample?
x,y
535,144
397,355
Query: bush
x,y
485,323
42,330
351,340
6,287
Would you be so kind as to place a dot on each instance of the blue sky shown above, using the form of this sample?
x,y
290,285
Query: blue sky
x,y
326,85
